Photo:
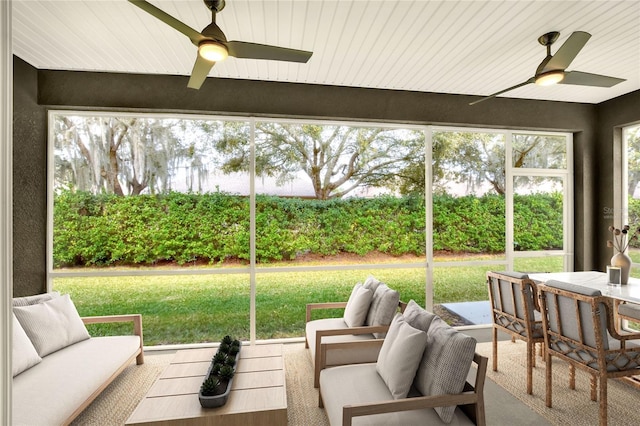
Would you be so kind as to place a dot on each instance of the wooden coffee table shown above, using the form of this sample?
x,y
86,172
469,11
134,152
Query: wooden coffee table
x,y
258,393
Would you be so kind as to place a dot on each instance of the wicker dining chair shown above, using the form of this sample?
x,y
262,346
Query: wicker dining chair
x,y
581,330
515,311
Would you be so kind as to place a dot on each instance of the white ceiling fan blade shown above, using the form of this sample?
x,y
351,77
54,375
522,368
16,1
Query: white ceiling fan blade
x,y
567,52
200,71
193,35
531,80
587,79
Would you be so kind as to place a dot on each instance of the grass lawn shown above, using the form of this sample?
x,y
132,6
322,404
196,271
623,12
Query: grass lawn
x,y
204,308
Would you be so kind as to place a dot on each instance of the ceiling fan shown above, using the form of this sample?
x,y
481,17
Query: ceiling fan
x,y
213,45
552,69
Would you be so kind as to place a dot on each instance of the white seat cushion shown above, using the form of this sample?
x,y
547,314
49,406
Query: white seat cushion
x,y
48,393
360,383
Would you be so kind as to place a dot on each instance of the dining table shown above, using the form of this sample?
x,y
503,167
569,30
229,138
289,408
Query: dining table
x,y
629,292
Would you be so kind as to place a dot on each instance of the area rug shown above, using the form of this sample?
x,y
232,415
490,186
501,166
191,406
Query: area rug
x,y
570,407
116,403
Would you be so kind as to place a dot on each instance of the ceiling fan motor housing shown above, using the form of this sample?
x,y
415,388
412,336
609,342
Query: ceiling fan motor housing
x,y
213,32
549,38
214,5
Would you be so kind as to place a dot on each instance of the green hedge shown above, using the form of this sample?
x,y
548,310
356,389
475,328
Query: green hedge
x,y
176,227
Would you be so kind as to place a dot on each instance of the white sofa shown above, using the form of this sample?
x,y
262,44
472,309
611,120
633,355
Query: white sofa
x,y
58,369
420,377
367,316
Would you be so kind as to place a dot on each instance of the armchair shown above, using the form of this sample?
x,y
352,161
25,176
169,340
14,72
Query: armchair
x,y
374,323
426,373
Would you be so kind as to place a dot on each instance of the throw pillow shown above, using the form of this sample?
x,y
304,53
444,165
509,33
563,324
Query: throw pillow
x,y
32,300
400,356
24,354
445,364
357,307
52,325
417,317
371,283
384,306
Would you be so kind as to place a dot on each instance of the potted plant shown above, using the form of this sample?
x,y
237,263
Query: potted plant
x,y
216,386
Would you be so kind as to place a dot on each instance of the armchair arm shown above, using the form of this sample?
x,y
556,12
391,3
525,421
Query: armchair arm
x,y
320,356
135,319
324,305
626,310
613,323
367,329
374,344
406,404
534,295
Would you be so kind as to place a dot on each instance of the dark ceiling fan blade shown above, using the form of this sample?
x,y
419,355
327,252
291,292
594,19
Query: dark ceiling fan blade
x,y
193,35
531,80
568,51
243,49
200,71
587,79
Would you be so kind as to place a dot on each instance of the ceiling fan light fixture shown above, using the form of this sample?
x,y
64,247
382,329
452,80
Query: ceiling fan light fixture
x,y
213,51
550,78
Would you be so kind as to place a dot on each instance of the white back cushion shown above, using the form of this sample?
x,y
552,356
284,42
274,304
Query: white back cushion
x,y
52,325
384,306
400,356
357,307
24,354
32,300
445,364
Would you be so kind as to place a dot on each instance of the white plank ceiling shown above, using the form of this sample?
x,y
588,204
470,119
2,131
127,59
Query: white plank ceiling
x,y
462,47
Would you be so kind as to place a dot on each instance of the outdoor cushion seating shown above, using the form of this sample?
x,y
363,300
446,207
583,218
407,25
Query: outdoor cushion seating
x,y
628,311
420,377
368,313
58,369
581,330
515,311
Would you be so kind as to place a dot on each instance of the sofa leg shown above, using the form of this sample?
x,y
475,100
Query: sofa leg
x,y
140,358
320,403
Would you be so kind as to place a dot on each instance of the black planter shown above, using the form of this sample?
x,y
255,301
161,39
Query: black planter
x,y
213,401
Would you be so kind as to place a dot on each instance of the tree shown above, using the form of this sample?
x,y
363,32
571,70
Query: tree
x,y
478,159
337,159
633,159
123,155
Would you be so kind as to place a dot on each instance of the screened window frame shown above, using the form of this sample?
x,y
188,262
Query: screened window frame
x,y
620,212
253,270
